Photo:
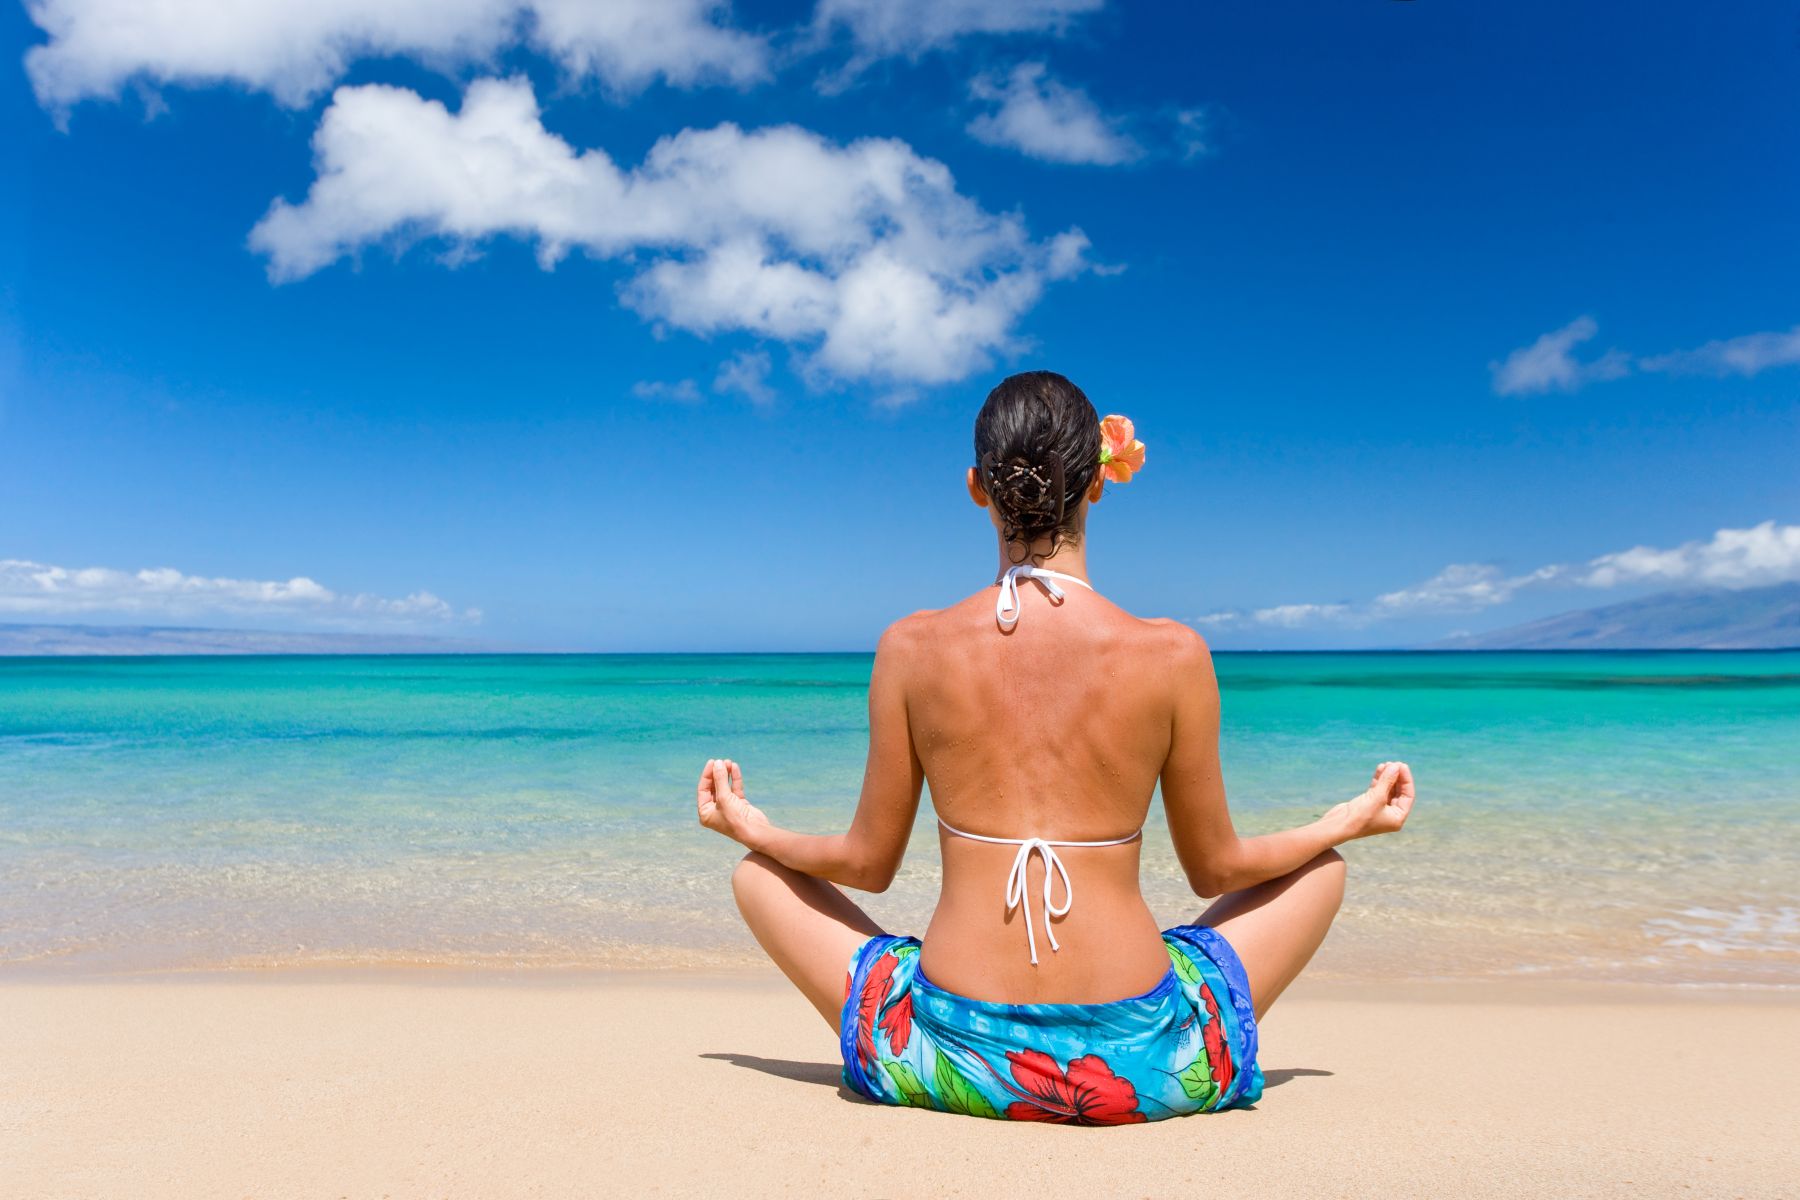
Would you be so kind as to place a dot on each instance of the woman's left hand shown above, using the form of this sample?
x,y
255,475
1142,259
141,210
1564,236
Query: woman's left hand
x,y
721,803
1383,808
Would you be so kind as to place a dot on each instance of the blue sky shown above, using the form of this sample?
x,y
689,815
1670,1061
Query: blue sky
x,y
667,330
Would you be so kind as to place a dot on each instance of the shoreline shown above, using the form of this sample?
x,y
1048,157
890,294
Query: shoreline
x,y
406,973
426,1081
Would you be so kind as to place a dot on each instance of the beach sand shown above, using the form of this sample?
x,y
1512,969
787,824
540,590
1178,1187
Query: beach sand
x,y
425,1083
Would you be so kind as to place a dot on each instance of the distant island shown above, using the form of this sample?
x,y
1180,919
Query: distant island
x,y
1765,618
92,640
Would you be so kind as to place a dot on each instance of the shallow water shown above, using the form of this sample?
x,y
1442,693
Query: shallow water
x,y
1582,815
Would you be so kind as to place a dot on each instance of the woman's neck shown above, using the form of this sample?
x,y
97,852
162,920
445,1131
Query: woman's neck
x,y
1070,557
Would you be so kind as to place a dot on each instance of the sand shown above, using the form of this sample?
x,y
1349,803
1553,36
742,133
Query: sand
x,y
371,1084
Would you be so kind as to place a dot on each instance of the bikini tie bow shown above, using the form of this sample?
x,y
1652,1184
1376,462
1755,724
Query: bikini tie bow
x,y
1006,607
1017,895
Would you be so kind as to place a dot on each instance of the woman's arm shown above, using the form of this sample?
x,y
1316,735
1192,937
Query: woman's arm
x,y
1215,859
867,856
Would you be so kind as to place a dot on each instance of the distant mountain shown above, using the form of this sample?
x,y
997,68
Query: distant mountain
x,y
1766,618
151,639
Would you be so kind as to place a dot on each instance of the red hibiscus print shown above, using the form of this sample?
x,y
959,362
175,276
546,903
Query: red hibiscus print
x,y
876,987
1088,1093
897,1023
1218,1054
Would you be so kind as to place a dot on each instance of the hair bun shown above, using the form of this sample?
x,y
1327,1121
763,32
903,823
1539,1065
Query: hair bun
x,y
1037,451
1029,494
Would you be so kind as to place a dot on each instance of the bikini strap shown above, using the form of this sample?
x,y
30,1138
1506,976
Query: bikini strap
x,y
1006,608
1133,836
1045,848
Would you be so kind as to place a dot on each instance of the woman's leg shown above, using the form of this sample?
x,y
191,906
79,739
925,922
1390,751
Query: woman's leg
x,y
806,925
1276,926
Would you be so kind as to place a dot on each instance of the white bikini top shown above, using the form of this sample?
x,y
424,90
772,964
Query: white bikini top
x,y
1006,611
1006,608
1053,865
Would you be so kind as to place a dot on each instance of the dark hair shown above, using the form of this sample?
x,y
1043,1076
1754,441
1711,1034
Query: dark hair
x,y
1037,446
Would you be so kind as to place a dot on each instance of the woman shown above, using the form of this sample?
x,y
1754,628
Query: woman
x,y
1043,718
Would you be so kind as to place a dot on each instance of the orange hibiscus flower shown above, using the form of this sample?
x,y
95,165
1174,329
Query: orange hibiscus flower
x,y
1121,454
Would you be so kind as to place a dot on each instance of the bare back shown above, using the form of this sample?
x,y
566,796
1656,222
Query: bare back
x,y
1057,729
1033,735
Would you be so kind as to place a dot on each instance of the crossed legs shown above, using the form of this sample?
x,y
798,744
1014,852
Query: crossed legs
x,y
1276,926
810,928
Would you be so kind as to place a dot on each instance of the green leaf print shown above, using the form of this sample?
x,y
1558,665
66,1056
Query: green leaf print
x,y
1184,966
959,1093
905,951
1197,1081
912,1090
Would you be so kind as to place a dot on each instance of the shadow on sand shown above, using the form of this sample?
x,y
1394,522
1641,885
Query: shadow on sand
x,y
826,1074
1281,1075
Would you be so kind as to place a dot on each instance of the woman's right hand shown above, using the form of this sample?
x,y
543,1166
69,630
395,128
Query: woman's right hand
x,y
1383,808
721,803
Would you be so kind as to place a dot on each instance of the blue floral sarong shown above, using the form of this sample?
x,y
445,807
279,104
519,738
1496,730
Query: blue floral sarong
x,y
1187,1045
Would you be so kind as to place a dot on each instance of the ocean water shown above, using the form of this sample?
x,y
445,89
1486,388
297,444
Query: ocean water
x,y
1581,816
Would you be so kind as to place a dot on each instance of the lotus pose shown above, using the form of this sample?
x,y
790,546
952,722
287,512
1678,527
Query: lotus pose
x,y
1043,717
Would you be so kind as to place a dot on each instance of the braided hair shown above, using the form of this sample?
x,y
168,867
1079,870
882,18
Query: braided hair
x,y
1037,448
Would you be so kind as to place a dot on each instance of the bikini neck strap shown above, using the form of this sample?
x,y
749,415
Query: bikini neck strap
x,y
1006,607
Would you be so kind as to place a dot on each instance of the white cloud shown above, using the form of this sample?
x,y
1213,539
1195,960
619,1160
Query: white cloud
x,y
1548,364
1048,120
682,391
1195,132
1461,587
907,28
295,49
1731,558
1748,355
1293,615
746,374
41,589
865,253
630,43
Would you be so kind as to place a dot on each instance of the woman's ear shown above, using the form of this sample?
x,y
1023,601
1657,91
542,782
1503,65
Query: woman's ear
x,y
1097,488
977,493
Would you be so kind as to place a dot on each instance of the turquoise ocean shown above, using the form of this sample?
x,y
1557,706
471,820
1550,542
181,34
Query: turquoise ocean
x,y
1614,816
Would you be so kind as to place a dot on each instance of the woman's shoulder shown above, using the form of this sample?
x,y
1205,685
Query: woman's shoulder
x,y
1177,636
931,629
908,629
1162,636
912,632
1174,644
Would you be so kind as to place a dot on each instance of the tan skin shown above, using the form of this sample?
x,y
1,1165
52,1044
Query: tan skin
x,y
1061,729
